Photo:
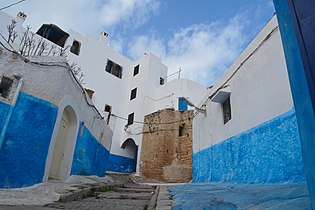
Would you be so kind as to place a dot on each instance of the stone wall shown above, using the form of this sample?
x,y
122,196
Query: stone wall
x,y
166,153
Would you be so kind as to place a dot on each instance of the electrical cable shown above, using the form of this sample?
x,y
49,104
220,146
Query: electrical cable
x,y
53,65
152,123
239,67
12,4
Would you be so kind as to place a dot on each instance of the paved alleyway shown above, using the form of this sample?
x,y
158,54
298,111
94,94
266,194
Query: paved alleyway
x,y
228,196
122,193
130,196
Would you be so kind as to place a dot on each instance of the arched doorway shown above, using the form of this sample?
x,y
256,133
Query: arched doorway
x,y
65,140
132,150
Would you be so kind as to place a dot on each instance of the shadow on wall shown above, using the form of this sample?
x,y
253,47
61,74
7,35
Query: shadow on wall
x,y
269,153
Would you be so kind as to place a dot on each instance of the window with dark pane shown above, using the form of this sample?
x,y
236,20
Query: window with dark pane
x,y
161,81
133,93
181,130
130,118
5,87
136,70
114,68
75,48
226,110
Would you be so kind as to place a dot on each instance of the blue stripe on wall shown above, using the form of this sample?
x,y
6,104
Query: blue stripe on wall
x,y
268,153
90,157
26,143
121,164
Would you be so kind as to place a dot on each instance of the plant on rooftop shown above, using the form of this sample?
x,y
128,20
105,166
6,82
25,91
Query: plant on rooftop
x,y
29,46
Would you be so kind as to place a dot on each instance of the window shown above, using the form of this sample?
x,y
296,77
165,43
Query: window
x,y
108,108
133,94
161,81
114,69
136,70
53,33
182,105
226,105
5,87
75,48
181,130
130,118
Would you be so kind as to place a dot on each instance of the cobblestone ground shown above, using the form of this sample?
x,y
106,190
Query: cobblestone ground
x,y
129,197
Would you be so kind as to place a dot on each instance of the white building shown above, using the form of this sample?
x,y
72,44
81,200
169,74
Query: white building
x,y
127,89
249,133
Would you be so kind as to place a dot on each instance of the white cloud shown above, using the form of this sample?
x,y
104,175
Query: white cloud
x,y
132,12
142,44
202,51
85,16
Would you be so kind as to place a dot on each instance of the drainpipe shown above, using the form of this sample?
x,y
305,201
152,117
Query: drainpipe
x,y
8,118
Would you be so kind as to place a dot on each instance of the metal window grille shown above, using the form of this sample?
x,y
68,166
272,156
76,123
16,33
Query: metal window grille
x,y
5,87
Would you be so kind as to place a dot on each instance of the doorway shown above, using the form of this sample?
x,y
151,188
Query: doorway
x,y
59,150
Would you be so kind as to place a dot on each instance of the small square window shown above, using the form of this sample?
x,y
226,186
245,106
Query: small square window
x,y
181,130
5,87
75,48
133,94
130,118
114,68
226,105
136,70
161,81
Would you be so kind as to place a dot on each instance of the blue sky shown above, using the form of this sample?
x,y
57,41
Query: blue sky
x,y
202,37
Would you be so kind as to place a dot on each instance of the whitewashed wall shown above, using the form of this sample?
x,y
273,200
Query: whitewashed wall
x,y
260,91
114,91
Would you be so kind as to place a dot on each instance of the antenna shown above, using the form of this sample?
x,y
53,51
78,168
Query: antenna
x,y
180,69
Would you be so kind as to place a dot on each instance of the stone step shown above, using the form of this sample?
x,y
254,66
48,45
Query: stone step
x,y
134,190
133,196
139,186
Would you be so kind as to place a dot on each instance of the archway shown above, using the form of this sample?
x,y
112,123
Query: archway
x,y
132,150
65,140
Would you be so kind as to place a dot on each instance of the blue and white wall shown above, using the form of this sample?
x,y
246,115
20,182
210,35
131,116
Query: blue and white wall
x,y
32,147
151,95
260,143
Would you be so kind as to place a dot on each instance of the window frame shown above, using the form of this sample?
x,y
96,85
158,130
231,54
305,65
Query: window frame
x,y
133,94
226,110
6,85
130,118
114,68
136,70
75,50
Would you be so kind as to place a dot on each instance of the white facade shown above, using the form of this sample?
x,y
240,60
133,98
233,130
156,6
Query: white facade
x,y
259,90
110,90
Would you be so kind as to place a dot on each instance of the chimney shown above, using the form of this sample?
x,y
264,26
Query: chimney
x,y
104,37
21,16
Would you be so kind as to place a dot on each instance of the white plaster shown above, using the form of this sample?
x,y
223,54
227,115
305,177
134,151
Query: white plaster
x,y
259,91
151,96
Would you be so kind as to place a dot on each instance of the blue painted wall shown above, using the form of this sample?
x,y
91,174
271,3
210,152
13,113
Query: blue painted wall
x,y
296,22
4,108
121,164
90,157
26,143
269,153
